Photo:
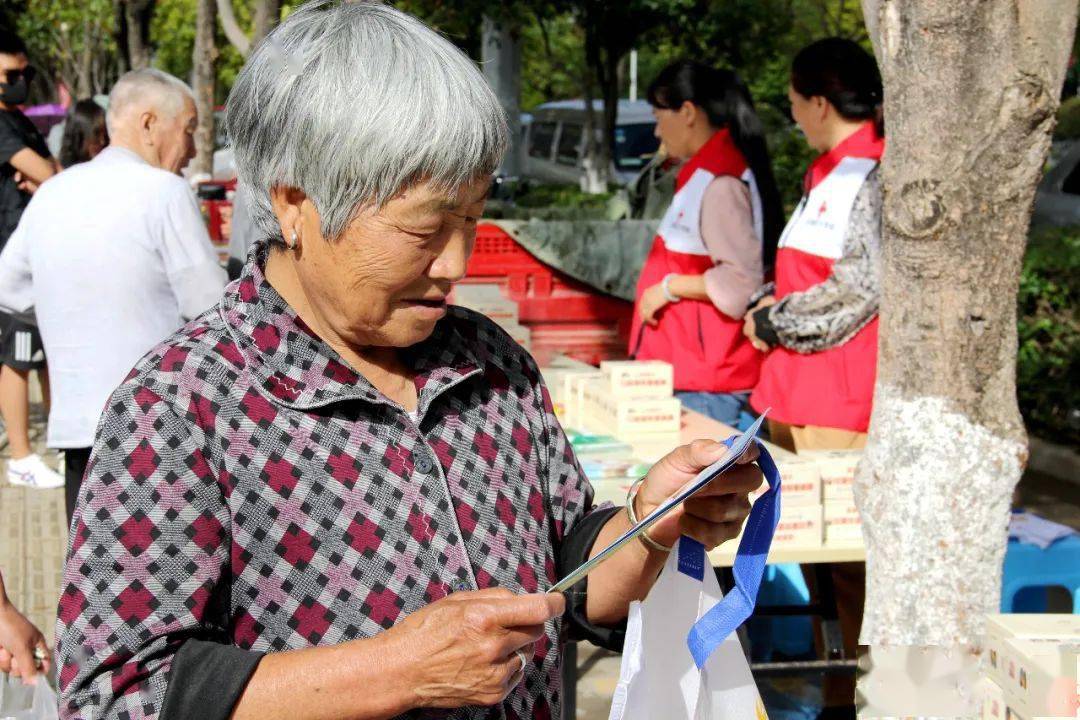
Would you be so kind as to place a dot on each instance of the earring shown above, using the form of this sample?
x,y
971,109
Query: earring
x,y
292,245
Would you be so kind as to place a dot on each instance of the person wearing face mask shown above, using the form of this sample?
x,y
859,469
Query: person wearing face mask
x,y
111,256
25,163
818,322
713,244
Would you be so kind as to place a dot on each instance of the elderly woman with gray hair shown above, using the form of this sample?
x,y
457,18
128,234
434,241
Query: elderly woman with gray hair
x,y
333,495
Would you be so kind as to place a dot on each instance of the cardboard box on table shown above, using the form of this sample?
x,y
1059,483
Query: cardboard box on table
x,y
842,523
576,415
801,481
557,377
800,526
1044,684
837,468
639,379
622,417
1033,658
993,700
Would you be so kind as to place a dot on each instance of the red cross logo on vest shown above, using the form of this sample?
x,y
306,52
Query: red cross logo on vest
x,y
821,210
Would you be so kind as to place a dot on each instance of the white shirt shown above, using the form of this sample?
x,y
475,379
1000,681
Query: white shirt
x,y
111,255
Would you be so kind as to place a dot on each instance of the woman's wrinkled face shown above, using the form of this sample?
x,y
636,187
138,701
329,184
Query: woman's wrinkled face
x,y
385,281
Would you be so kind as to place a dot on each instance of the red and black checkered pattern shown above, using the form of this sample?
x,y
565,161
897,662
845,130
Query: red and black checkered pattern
x,y
248,487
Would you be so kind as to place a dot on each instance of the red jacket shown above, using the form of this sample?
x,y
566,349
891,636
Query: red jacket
x,y
706,347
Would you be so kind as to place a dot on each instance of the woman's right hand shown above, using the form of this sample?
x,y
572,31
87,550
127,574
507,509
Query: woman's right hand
x,y
463,646
19,639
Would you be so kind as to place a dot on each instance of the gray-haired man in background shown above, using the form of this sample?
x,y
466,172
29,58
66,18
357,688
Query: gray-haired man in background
x,y
112,256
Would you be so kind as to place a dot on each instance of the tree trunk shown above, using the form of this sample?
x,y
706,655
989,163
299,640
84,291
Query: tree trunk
x,y
501,62
203,57
971,88
266,16
120,31
137,21
596,155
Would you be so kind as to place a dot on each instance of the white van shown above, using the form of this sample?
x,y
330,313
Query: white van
x,y
554,132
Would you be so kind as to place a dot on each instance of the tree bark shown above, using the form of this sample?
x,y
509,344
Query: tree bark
x,y
138,14
501,62
120,35
971,88
203,57
597,151
266,16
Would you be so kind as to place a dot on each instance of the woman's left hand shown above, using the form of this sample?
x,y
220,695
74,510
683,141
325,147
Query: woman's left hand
x,y
651,303
716,513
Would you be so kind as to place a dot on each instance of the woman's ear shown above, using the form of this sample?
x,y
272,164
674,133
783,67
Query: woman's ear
x,y
287,203
821,107
689,112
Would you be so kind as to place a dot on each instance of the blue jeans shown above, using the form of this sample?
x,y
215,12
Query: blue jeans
x,y
729,408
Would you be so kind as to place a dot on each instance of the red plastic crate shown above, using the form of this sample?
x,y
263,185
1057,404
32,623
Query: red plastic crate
x,y
564,315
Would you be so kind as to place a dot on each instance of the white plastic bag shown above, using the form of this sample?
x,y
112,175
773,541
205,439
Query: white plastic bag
x,y
27,702
658,677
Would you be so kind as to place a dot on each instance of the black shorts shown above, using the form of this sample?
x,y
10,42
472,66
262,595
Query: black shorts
x,y
20,344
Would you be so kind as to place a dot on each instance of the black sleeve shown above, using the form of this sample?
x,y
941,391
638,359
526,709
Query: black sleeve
x,y
574,550
206,680
11,141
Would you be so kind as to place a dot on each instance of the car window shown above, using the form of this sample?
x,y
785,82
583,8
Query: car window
x,y
540,139
1072,181
569,144
634,145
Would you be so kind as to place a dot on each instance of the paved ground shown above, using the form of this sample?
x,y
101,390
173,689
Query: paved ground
x,y
33,541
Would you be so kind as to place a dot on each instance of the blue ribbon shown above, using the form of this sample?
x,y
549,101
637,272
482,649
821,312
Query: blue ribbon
x,y
735,607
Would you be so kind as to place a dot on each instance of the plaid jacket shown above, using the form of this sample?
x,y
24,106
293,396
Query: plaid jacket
x,y
249,493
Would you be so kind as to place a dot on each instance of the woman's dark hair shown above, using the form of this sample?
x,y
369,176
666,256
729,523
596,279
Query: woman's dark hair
x,y
843,73
727,103
84,124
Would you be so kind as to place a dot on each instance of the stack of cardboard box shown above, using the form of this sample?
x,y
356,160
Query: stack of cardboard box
x,y
1032,667
800,508
488,299
564,377
632,400
841,521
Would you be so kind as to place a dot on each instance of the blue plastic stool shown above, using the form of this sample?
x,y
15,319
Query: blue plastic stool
x,y
1028,566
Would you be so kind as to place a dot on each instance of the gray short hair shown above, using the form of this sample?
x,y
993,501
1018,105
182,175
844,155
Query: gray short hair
x,y
352,103
141,88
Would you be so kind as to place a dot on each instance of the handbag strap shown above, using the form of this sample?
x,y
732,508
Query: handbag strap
x,y
735,607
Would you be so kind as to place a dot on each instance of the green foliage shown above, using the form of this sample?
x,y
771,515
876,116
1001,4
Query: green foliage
x,y
537,196
173,35
172,32
72,40
1068,120
1048,362
553,63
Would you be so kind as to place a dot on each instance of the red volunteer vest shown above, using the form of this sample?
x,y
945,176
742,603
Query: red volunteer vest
x,y
707,348
834,387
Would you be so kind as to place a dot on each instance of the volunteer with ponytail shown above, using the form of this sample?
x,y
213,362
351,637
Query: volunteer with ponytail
x,y
819,324
713,243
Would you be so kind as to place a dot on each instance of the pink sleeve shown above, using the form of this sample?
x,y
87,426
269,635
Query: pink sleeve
x,y
727,227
